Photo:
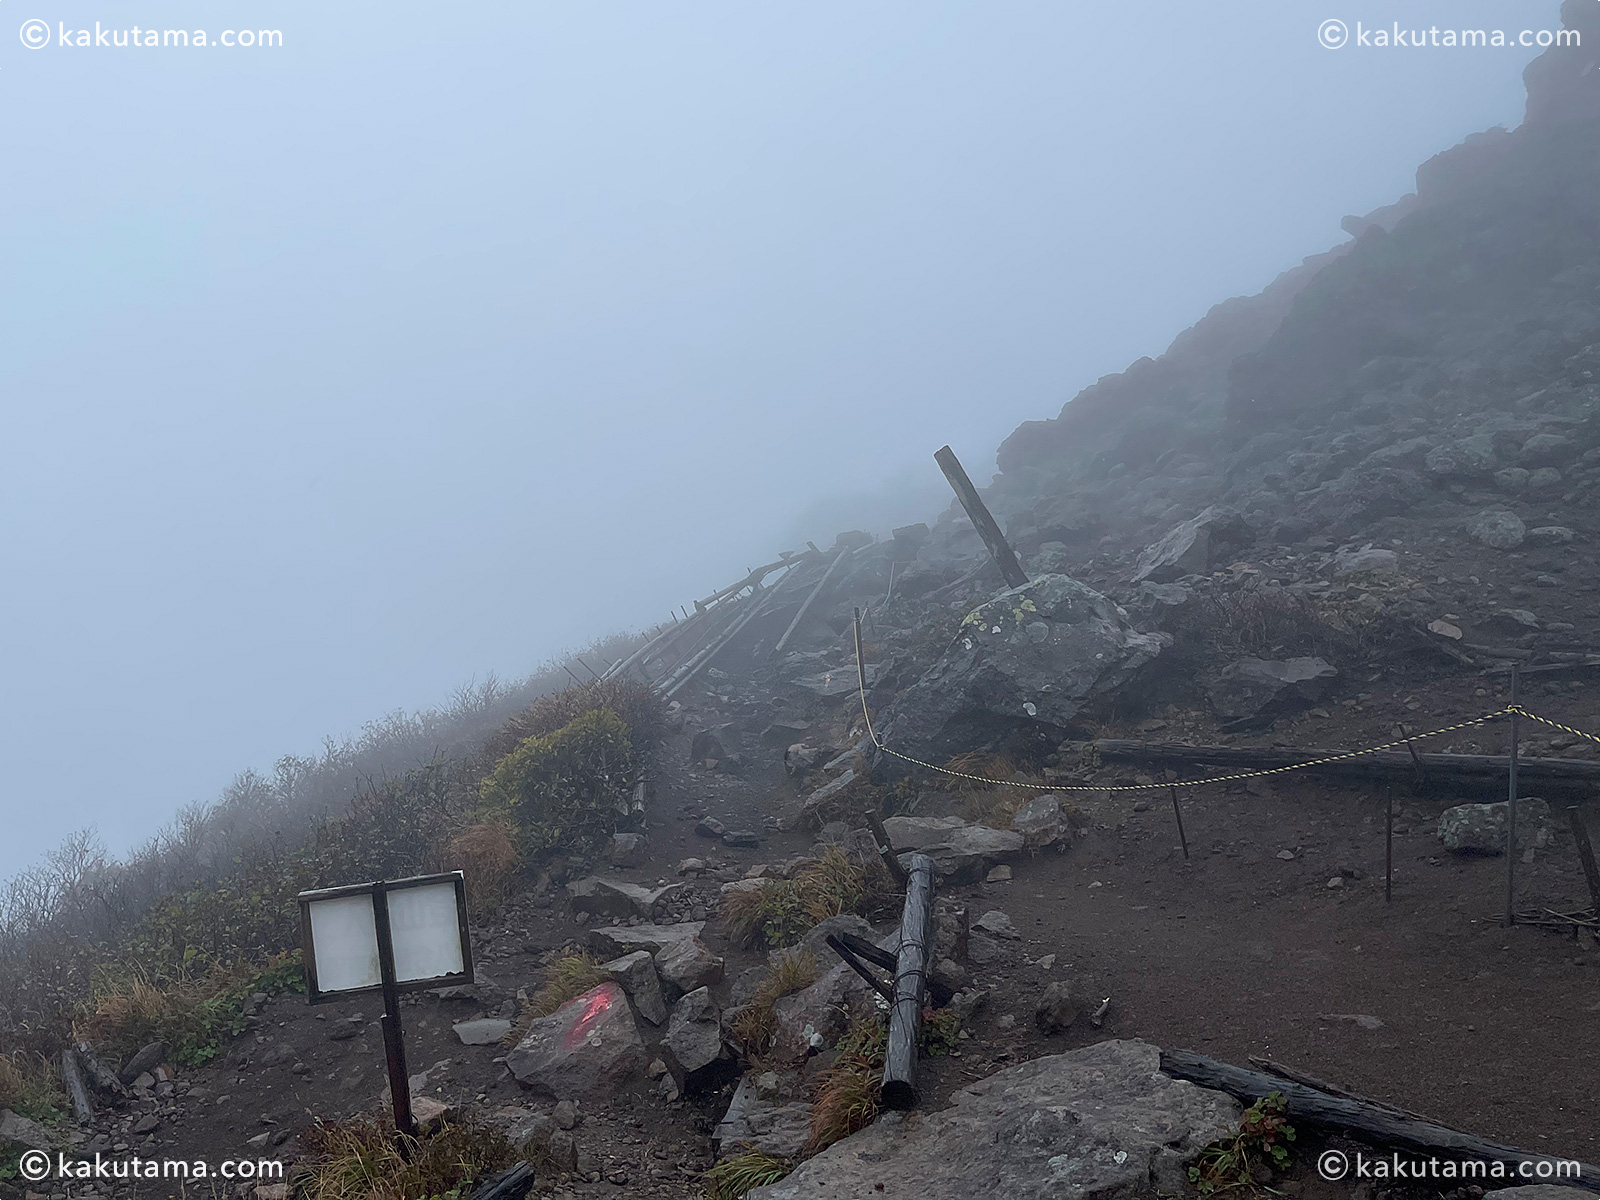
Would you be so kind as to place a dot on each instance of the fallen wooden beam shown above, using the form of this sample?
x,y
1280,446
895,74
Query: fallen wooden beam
x,y
910,982
755,606
1382,1126
1000,549
753,579
806,607
1382,764
72,1080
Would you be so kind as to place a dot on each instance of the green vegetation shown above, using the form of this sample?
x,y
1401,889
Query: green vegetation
x,y
733,1178
755,1025
1260,1140
941,1031
365,1159
847,1095
564,789
781,911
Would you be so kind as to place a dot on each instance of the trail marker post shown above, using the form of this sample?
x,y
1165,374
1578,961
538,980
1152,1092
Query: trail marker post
x,y
387,937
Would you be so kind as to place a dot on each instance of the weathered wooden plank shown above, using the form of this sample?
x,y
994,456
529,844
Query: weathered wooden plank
x,y
1000,549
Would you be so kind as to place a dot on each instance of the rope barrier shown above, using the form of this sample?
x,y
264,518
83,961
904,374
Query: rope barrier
x,y
1485,719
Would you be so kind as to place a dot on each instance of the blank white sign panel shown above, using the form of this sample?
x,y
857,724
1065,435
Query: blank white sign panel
x,y
426,931
345,939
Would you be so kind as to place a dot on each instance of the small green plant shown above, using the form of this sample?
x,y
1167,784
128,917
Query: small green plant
x,y
756,1024
941,1031
733,1178
1261,1139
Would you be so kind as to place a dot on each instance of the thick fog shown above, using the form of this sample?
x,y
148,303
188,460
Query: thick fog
x,y
443,338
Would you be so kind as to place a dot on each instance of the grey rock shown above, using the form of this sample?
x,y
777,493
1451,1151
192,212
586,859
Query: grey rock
x,y
636,973
1250,687
688,964
828,791
1192,547
1498,528
1481,828
1544,449
1549,535
1042,822
746,838
148,1123
1544,479
563,1151
998,675
949,974
1101,1123
768,1114
997,923
611,898
485,1032
628,849
529,1132
710,827
1541,1191
1469,458
147,1058
693,1046
706,744
961,851
587,1048
23,1131
1057,1009
1369,560
617,940
1512,479
565,1115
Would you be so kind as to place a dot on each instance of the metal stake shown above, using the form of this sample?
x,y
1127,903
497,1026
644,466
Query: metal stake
x,y
1511,808
394,1046
1178,813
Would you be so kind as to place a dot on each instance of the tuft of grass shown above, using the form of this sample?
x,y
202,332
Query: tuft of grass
x,y
756,1025
487,852
847,1096
781,911
568,978
364,1158
31,1087
734,1178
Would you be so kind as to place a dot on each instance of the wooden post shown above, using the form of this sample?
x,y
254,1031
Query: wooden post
x,y
806,607
1422,774
72,1079
1178,815
885,847
999,549
1388,845
1580,839
1511,809
394,1046
910,977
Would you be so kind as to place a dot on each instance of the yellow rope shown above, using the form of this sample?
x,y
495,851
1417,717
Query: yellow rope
x,y
861,680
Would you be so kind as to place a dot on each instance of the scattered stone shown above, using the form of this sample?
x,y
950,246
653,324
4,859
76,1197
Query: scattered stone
x,y
1287,855
1042,822
148,1123
1470,458
1056,1010
1445,629
1093,1124
687,964
1364,1020
1190,548
1545,449
563,1151
1000,874
692,866
1048,961
617,940
710,827
961,851
1549,535
565,1115
1481,828
23,1131
1369,560
827,791
587,1048
636,973
745,838
529,1132
484,1032
1498,528
706,745
145,1059
766,1115
949,974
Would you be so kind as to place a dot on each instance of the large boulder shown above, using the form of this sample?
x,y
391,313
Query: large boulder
x,y
687,964
636,973
23,1131
1032,656
1481,828
961,851
585,1050
616,940
1192,547
1042,821
1469,458
611,898
1252,686
1101,1123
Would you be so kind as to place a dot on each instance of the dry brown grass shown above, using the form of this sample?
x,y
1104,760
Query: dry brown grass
x,y
29,1085
365,1159
756,1025
780,911
487,853
847,1095
567,979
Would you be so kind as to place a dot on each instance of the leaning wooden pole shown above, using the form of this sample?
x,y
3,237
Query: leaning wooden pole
x,y
806,607
910,982
1382,1125
999,549
72,1080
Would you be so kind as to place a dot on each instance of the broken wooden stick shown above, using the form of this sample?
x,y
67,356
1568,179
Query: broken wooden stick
x,y
1379,1124
806,607
1000,549
72,1079
910,981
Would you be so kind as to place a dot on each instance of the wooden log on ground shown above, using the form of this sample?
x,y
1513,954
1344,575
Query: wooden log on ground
x,y
72,1080
101,1077
511,1184
1383,764
910,982
806,607
1000,549
754,607
1382,1126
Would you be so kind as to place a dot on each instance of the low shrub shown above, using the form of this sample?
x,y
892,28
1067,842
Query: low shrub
x,y
30,1087
486,851
734,1178
568,787
637,704
847,1095
364,1158
1227,1164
